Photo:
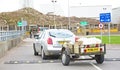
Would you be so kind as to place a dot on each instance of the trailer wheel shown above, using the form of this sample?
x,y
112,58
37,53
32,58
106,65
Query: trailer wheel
x,y
65,58
99,59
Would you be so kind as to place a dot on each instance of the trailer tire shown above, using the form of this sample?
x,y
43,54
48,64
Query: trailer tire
x,y
99,59
65,58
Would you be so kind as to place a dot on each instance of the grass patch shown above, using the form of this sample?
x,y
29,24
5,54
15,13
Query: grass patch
x,y
113,39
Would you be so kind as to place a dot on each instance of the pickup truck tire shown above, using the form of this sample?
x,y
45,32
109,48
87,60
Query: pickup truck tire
x,y
65,58
35,52
99,59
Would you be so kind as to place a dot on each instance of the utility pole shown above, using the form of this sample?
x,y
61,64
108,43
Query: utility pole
x,y
68,15
54,1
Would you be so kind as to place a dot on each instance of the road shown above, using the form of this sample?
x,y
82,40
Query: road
x,y
22,58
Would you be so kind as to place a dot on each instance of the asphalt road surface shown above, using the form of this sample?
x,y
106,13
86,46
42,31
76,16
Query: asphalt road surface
x,y
22,58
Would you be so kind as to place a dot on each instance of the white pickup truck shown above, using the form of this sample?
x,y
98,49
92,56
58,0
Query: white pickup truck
x,y
84,46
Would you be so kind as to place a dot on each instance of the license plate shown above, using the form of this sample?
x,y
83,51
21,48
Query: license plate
x,y
89,50
61,42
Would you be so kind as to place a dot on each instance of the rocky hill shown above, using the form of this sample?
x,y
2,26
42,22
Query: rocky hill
x,y
33,16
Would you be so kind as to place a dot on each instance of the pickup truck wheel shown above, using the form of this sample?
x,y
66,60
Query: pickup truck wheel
x,y
43,54
65,58
35,52
99,59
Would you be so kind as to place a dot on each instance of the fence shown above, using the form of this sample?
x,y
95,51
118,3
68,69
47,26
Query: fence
x,y
6,35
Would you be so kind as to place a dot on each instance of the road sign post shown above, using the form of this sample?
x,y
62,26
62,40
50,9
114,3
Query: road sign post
x,y
106,18
100,26
22,23
83,24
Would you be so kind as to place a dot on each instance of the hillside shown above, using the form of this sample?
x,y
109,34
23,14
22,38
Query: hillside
x,y
32,16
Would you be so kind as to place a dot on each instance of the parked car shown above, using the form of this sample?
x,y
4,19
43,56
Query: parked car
x,y
49,42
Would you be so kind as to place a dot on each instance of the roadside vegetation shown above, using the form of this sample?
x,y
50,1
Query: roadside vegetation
x,y
113,39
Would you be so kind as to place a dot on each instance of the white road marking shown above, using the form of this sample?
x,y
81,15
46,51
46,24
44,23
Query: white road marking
x,y
15,62
98,68
27,61
39,61
51,61
114,59
83,57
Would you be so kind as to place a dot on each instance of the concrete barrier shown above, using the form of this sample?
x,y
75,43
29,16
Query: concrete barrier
x,y
2,48
9,44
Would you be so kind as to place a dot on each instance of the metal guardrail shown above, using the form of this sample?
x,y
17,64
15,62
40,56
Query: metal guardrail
x,y
6,35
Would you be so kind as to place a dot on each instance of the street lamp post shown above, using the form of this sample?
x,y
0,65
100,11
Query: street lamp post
x,y
68,15
54,1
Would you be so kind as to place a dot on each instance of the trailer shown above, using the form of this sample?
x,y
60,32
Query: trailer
x,y
90,47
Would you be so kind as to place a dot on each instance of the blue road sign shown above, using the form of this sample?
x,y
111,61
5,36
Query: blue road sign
x,y
105,17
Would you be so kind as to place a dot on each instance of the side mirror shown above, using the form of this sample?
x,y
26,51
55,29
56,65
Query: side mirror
x,y
36,36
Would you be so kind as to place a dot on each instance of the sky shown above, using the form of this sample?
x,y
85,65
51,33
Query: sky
x,y
60,7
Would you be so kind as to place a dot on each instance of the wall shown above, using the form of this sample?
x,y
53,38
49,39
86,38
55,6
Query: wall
x,y
9,44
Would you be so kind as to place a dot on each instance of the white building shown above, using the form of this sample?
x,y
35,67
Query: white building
x,y
90,11
116,15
